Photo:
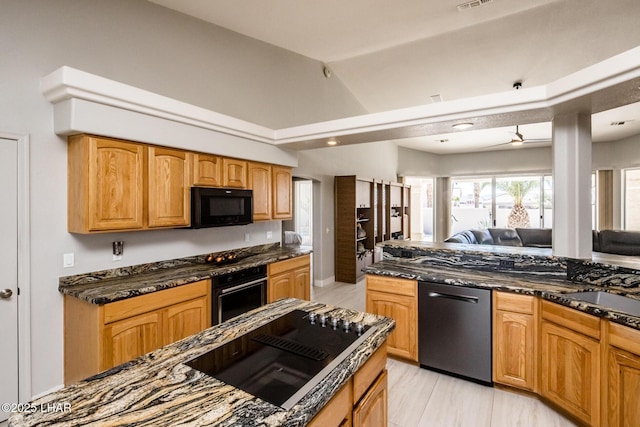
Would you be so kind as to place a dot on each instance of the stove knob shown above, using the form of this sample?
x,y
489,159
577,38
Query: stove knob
x,y
359,328
323,319
312,317
346,325
334,323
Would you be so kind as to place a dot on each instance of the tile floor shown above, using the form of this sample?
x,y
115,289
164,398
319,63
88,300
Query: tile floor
x,y
419,397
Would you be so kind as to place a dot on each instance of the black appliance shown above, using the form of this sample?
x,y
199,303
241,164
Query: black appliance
x,y
238,292
218,207
281,361
454,330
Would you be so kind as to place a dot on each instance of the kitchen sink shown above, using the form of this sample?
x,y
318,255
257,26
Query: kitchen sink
x,y
615,302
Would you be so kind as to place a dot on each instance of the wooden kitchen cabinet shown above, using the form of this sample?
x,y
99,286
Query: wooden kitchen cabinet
x,y
289,279
207,170
396,298
259,180
515,340
99,337
169,184
281,188
621,391
372,411
234,173
105,185
337,412
570,362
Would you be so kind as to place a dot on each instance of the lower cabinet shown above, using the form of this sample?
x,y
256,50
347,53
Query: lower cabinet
x,y
362,401
621,396
99,337
289,279
397,299
570,364
515,340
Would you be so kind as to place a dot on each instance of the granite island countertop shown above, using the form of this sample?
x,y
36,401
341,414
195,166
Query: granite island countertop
x,y
536,273
158,389
107,286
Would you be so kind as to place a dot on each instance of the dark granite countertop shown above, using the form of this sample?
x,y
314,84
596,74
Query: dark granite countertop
x,y
158,389
107,286
535,273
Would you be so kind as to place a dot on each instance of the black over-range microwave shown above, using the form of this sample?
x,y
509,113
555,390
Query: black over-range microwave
x,y
219,207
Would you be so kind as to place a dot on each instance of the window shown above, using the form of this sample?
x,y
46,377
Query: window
x,y
471,204
631,179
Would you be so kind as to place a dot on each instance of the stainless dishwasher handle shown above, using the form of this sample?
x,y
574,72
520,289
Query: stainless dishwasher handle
x,y
465,298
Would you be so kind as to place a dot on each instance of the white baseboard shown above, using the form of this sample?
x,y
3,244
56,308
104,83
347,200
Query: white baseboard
x,y
51,390
324,282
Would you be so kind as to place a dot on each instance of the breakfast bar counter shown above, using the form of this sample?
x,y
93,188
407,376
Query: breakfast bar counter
x,y
159,389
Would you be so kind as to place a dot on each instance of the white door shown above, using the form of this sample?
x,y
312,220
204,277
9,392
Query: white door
x,y
8,274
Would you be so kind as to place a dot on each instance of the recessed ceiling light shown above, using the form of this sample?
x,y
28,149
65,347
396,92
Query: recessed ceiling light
x,y
332,141
462,125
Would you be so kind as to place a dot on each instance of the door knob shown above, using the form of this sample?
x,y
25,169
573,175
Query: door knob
x,y
6,293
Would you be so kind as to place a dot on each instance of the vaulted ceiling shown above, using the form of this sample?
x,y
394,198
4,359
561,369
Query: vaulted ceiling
x,y
393,55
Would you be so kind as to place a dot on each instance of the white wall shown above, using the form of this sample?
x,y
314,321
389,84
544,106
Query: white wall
x,y
143,45
373,160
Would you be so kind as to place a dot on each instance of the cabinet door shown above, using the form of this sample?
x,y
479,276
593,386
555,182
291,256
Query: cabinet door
x,y
129,338
207,170
363,194
372,410
185,319
623,399
234,173
337,412
260,183
169,178
280,286
514,349
571,372
281,187
302,283
105,185
403,341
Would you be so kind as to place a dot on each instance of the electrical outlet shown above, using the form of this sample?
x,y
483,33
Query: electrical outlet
x,y
117,257
269,234
247,237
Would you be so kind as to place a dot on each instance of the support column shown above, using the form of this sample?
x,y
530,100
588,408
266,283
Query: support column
x,y
572,186
442,207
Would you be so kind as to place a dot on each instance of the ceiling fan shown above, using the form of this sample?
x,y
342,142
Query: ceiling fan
x,y
519,139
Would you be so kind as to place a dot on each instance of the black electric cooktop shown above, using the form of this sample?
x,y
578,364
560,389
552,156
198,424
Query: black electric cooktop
x,y
282,361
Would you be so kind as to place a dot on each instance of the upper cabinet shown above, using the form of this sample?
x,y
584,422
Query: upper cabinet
x,y
281,182
116,185
260,182
207,170
234,173
105,185
168,178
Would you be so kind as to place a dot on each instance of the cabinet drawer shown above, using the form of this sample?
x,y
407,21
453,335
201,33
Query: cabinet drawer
x,y
392,285
514,302
624,337
570,318
289,264
367,374
145,303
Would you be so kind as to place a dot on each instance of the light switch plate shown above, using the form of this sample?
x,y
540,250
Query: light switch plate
x,y
68,260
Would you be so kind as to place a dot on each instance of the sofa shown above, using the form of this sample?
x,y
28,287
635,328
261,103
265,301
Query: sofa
x,y
607,241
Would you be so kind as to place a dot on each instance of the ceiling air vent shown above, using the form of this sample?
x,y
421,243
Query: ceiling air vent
x,y
621,123
472,4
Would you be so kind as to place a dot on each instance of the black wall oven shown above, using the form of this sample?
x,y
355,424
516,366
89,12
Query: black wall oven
x,y
238,292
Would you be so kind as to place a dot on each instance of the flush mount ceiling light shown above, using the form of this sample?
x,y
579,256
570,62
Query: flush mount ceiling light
x,y
462,125
332,142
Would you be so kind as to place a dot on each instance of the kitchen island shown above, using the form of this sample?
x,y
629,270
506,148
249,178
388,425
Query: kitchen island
x,y
159,389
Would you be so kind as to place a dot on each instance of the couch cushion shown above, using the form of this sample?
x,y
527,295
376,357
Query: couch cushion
x,y
536,237
464,236
620,242
505,237
483,236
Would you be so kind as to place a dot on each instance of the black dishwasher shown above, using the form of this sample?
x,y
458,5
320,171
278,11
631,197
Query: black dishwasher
x,y
454,330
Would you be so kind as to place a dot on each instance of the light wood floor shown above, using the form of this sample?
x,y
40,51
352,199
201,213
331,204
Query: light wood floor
x,y
419,397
